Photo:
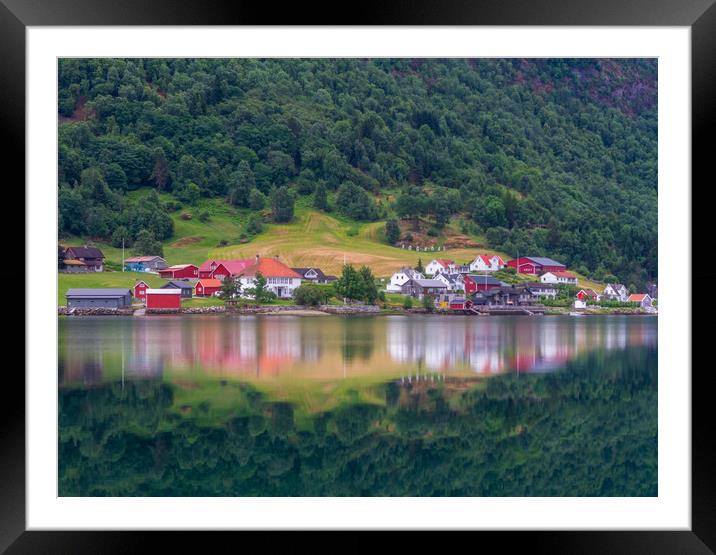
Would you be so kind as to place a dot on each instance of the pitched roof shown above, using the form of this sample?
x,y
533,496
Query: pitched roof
x,y
178,267
209,282
142,258
234,266
542,261
444,262
98,292
85,252
484,258
270,267
304,271
429,282
636,297
484,279
590,293
178,285
569,275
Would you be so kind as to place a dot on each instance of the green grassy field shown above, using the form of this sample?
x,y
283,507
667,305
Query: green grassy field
x,y
313,238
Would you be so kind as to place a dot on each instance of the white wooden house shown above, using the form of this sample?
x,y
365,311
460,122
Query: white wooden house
x,y
398,279
616,292
559,278
485,263
439,266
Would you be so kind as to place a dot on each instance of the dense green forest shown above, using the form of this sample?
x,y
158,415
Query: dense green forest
x,y
551,157
588,430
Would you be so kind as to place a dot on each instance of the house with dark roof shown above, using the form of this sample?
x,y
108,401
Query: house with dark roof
x,y
314,275
421,287
475,282
454,282
185,287
616,292
83,259
99,298
545,290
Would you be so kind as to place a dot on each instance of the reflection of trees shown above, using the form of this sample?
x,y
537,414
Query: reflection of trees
x,y
588,430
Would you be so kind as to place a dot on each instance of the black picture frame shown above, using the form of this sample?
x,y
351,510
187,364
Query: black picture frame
x,y
699,15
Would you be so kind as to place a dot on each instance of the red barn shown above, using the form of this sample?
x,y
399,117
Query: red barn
x,y
180,271
536,265
474,283
140,290
163,298
207,287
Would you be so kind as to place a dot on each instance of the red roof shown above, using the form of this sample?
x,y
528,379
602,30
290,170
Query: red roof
x,y
209,282
235,267
636,297
270,267
569,275
444,262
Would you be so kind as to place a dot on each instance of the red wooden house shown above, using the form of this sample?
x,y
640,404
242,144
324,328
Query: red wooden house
x,y
207,287
180,271
140,291
588,295
536,265
163,298
474,283
220,269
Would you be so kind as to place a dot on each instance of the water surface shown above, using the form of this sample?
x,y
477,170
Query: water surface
x,y
285,405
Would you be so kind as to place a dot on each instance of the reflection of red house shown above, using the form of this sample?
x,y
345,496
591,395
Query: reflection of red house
x,y
180,271
207,287
536,265
140,290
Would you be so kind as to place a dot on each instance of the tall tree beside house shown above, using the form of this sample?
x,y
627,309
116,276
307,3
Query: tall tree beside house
x,y
350,284
392,231
370,290
230,288
259,291
419,267
147,245
282,201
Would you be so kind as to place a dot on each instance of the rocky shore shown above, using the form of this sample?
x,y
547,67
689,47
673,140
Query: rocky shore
x,y
64,311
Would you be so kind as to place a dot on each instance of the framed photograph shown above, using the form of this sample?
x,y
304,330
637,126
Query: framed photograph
x,y
401,274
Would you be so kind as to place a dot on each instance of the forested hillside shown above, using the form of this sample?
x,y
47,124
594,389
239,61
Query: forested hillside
x,y
555,158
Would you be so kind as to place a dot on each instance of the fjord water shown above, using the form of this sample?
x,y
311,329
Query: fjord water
x,y
358,406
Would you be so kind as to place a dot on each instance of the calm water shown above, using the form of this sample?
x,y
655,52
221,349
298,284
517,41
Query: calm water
x,y
387,405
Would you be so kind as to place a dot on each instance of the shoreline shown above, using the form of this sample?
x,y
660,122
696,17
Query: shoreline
x,y
325,310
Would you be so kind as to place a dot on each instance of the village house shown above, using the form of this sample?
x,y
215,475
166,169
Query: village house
x,y
505,295
314,275
539,290
219,269
440,265
180,271
454,282
536,265
399,278
83,259
164,298
207,287
421,287
485,263
144,264
280,279
616,292
644,300
184,287
588,295
474,283
559,278
99,298
140,290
